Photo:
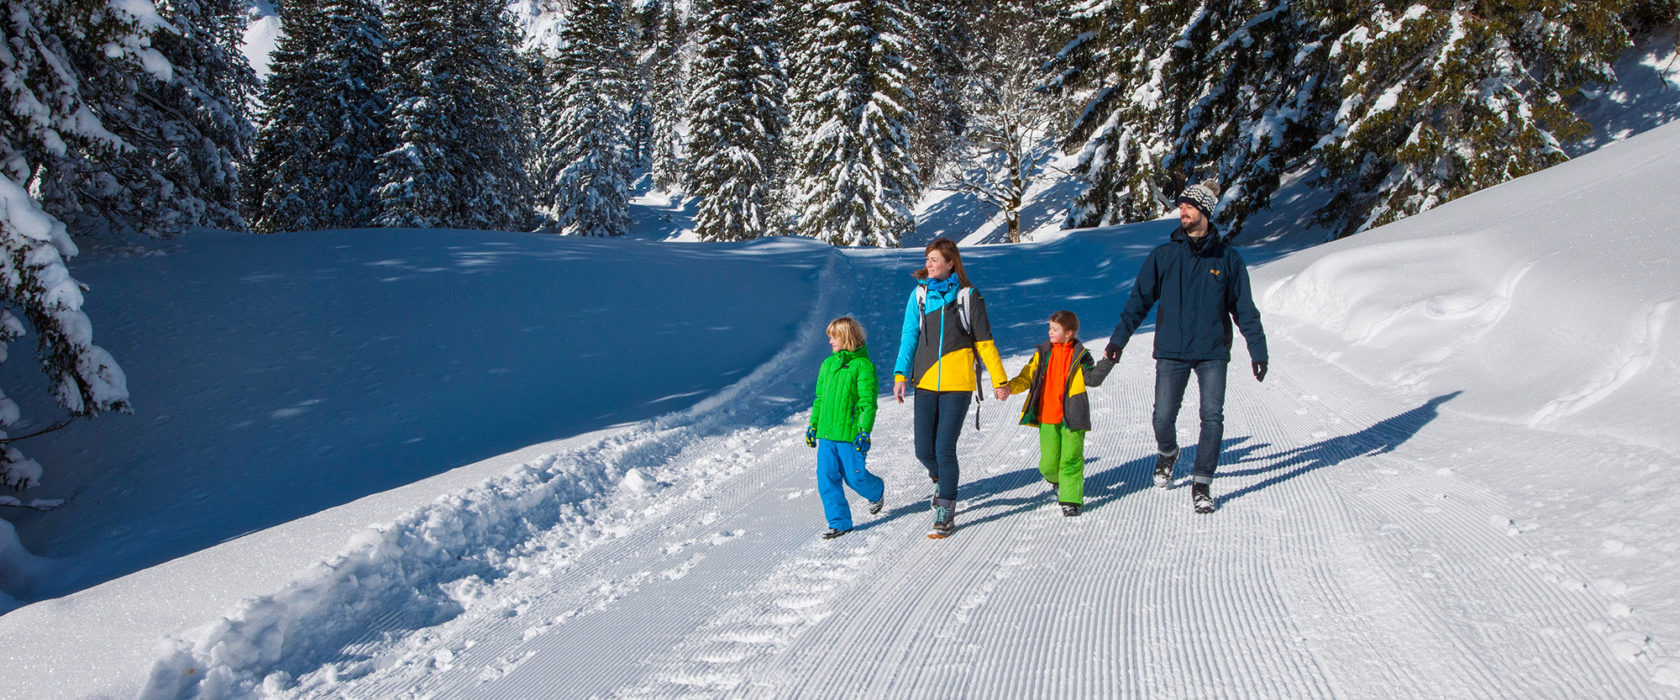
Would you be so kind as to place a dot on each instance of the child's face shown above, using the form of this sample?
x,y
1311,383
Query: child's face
x,y
1059,334
834,343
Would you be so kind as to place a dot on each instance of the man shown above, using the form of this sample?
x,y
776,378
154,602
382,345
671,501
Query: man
x,y
1201,284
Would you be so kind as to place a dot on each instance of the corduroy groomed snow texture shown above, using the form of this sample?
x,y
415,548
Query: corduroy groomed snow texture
x,y
1202,196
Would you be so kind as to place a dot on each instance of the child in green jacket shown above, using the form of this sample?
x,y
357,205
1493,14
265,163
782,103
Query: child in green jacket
x,y
841,417
1057,404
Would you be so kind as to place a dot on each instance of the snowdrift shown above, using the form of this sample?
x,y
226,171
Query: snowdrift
x,y
1550,301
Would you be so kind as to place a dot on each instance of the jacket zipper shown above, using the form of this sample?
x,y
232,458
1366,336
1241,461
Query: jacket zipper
x,y
939,350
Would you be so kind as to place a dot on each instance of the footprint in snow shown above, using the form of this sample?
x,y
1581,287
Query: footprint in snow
x,y
1627,645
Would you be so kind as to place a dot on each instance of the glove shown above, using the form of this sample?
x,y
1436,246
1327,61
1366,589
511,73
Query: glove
x,y
1112,352
811,436
1259,371
861,442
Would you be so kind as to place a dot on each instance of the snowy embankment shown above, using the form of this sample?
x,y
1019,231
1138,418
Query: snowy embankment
x,y
271,396
1550,301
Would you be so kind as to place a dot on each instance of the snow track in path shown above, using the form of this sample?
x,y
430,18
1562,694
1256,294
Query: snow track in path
x,y
1337,566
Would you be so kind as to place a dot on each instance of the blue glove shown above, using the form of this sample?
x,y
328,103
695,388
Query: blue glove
x,y
861,442
811,436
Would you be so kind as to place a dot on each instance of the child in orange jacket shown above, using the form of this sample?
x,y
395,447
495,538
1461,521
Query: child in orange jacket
x,y
1057,404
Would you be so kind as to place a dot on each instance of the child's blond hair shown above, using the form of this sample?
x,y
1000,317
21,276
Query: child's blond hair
x,y
848,331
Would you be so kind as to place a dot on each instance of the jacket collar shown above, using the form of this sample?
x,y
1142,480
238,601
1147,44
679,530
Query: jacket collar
x,y
941,286
1046,346
1210,246
849,355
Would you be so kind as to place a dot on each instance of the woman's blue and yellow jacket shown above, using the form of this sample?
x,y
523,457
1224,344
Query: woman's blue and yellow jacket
x,y
935,352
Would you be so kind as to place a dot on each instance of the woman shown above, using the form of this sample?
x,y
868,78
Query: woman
x,y
945,328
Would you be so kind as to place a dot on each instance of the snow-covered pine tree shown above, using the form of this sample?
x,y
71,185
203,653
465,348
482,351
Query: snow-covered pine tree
x,y
856,179
459,156
668,74
942,42
501,196
1249,100
1115,70
740,116
1441,99
46,128
357,80
796,26
186,130
284,175
584,174
1009,119
314,161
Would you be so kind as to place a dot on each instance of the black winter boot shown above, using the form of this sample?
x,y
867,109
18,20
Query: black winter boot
x,y
1164,469
1201,499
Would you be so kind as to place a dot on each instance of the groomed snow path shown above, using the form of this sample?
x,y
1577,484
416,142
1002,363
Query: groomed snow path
x,y
1351,557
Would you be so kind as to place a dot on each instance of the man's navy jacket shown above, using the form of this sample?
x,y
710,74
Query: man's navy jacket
x,y
1199,292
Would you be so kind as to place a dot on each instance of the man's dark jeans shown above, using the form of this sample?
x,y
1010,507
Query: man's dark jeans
x,y
939,422
1171,378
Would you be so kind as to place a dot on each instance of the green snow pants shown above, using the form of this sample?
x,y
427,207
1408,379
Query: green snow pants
x,y
1061,459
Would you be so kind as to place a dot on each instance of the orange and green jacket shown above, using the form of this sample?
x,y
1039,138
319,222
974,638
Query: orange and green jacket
x,y
1076,404
935,352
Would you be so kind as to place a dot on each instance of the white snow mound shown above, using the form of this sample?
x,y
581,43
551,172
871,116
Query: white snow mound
x,y
1548,301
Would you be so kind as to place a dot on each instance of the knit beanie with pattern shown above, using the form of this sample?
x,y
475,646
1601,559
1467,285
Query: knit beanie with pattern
x,y
1202,197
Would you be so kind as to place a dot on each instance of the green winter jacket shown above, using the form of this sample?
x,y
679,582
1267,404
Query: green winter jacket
x,y
845,403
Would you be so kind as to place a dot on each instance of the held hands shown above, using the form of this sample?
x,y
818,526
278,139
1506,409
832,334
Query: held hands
x,y
811,436
1259,371
1001,393
1112,352
898,390
861,442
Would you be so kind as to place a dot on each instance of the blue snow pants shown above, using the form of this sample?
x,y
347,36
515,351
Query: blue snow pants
x,y
840,463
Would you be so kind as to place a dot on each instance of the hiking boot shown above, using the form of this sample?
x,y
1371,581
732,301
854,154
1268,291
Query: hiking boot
x,y
875,506
944,518
1201,499
1070,510
834,532
1164,469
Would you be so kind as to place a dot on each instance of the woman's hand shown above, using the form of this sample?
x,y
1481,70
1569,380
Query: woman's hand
x,y
898,390
1001,393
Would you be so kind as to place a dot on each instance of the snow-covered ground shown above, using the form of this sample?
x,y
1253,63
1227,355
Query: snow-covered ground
x,y
1454,482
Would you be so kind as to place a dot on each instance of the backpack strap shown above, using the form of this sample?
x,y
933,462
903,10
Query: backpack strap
x,y
962,306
